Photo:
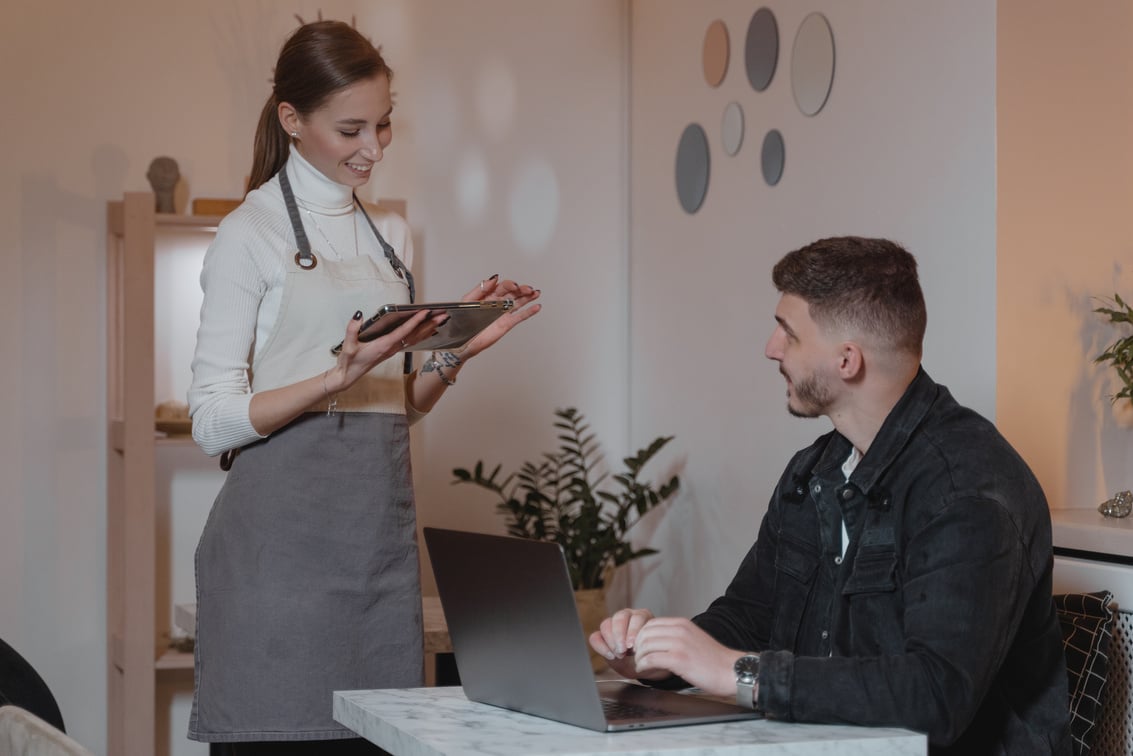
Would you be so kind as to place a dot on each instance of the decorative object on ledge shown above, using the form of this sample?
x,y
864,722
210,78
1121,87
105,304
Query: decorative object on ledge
x,y
1119,355
214,206
163,175
1119,506
172,417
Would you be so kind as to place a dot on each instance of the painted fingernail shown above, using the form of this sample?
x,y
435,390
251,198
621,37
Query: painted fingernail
x,y
447,319
358,315
493,277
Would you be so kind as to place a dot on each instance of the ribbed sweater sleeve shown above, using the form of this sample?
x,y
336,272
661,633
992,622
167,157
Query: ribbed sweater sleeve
x,y
240,266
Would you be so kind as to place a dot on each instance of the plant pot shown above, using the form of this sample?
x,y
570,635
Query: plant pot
x,y
591,603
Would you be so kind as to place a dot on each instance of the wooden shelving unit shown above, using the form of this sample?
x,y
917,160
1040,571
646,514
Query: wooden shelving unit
x,y
138,625
137,648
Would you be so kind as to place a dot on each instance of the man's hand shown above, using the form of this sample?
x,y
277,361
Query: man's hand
x,y
637,644
614,640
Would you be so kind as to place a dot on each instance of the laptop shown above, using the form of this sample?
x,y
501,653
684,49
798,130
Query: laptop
x,y
519,643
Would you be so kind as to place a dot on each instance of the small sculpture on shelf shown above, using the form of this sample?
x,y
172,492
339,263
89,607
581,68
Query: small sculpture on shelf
x,y
163,175
1119,506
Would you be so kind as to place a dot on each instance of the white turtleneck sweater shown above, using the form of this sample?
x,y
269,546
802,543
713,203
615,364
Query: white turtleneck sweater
x,y
243,277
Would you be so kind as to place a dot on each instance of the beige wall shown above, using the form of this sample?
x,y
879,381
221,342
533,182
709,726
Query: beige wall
x,y
94,91
1065,237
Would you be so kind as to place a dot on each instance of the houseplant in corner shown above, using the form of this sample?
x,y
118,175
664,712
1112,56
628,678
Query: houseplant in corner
x,y
559,497
1119,355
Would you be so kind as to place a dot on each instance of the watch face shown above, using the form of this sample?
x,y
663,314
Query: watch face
x,y
747,666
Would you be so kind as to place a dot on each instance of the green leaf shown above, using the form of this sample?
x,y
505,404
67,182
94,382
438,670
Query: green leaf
x,y
560,497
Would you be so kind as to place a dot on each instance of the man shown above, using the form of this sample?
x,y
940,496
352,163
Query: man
x,y
902,573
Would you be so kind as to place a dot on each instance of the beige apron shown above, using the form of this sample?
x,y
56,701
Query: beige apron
x,y
307,571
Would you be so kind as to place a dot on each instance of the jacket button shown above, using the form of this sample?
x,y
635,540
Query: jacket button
x,y
825,635
847,493
817,488
838,559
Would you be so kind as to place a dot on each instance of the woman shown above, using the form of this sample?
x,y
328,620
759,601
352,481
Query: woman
x,y
307,572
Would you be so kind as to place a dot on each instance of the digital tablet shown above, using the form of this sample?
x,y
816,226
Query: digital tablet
x,y
466,319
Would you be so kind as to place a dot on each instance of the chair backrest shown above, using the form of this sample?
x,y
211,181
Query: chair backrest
x,y
1086,620
1114,729
24,734
1112,733
21,685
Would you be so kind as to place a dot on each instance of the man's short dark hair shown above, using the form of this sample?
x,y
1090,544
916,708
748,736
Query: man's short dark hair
x,y
867,285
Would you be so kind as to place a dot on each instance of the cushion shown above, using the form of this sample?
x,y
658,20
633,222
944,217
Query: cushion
x,y
22,732
1086,620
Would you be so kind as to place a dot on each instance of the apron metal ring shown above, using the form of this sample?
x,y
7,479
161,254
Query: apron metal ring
x,y
306,263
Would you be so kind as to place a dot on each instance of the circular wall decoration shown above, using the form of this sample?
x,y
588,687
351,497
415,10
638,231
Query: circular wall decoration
x,y
812,64
732,128
761,51
692,168
772,157
715,55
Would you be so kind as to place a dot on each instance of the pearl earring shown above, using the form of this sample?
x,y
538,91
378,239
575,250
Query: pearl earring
x,y
294,134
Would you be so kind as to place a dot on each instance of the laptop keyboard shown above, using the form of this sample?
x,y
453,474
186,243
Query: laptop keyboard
x,y
615,709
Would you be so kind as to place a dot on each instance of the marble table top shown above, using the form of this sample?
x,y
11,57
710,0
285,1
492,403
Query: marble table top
x,y
436,721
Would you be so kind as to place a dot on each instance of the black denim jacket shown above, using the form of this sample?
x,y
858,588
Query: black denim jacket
x,y
939,616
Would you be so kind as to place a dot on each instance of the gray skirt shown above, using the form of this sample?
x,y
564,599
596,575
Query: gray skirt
x,y
307,580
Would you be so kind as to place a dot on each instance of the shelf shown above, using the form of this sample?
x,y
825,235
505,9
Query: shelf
x,y
138,550
179,440
200,222
1089,530
171,660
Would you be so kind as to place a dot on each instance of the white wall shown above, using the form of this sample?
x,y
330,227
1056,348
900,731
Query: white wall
x,y
529,101
905,148
94,91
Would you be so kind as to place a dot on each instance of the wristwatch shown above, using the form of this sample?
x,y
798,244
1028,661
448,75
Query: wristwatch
x,y
747,675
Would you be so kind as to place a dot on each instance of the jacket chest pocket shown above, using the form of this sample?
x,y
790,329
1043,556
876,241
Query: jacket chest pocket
x,y
874,602
875,571
796,564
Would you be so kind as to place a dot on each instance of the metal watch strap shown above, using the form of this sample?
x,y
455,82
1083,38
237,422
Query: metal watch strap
x,y
747,677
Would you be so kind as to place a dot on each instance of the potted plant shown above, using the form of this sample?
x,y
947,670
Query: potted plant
x,y
1119,355
558,497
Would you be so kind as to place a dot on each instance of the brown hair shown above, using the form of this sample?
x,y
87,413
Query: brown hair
x,y
869,285
317,60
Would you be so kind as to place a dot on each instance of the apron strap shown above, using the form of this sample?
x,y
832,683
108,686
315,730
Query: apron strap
x,y
303,258
306,260
387,248
399,268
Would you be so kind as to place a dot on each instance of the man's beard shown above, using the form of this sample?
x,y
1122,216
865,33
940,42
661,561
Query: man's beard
x,y
811,396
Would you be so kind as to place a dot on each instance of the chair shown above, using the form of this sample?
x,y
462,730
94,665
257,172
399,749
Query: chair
x,y
1087,621
24,734
21,685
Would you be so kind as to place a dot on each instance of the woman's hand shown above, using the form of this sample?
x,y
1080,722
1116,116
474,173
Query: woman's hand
x,y
357,358
272,409
494,288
